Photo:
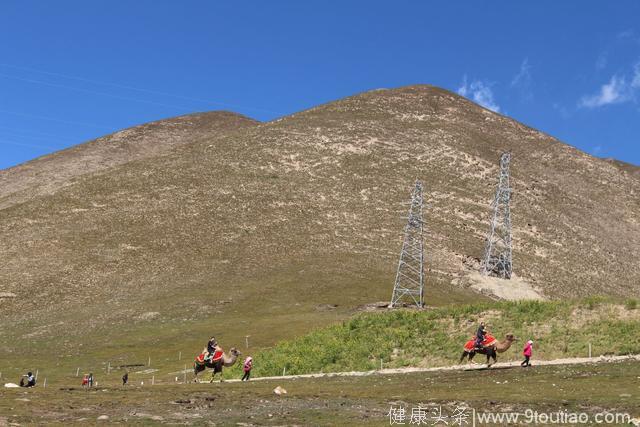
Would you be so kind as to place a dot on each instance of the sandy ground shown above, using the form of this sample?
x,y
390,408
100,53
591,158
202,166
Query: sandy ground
x,y
513,290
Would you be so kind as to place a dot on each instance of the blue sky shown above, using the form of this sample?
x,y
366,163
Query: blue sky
x,y
74,70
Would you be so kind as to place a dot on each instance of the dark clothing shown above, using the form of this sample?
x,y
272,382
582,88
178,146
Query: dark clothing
x,y
525,363
246,375
31,381
480,336
211,346
125,378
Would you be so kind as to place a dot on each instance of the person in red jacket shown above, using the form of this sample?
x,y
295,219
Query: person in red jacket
x,y
248,364
528,350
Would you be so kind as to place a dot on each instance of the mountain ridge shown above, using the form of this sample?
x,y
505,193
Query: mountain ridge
x,y
145,140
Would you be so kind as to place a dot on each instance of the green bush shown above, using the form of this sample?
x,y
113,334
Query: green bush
x,y
435,337
594,301
631,304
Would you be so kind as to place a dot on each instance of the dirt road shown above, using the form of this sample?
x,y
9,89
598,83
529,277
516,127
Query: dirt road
x,y
472,366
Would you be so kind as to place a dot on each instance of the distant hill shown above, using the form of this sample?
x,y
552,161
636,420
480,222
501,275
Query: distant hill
x,y
162,234
48,174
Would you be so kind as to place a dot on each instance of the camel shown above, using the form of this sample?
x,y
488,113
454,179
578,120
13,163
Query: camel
x,y
491,350
216,364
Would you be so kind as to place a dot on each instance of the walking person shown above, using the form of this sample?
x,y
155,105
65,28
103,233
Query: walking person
x,y
248,365
528,350
125,378
90,379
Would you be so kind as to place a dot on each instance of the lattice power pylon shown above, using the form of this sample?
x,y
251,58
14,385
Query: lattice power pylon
x,y
409,285
497,252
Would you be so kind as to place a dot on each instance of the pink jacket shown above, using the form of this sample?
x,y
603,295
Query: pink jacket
x,y
248,364
527,350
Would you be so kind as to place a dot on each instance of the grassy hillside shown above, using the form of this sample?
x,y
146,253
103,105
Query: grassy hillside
x,y
435,337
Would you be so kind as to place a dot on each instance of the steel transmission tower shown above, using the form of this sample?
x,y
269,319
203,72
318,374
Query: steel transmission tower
x,y
409,285
497,252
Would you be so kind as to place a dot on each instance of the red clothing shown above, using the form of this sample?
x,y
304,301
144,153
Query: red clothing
x,y
527,350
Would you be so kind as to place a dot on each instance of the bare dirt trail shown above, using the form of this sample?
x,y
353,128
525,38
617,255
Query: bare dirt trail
x,y
389,371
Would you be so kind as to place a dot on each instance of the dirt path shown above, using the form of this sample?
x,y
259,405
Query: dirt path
x,y
566,361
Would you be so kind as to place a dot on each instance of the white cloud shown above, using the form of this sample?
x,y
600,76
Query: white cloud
x,y
522,80
524,75
614,92
635,83
626,34
601,62
564,111
480,92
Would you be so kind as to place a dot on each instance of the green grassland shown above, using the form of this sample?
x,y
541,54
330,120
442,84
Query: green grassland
x,y
265,309
340,340
434,337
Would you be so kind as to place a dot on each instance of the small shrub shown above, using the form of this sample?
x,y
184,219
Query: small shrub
x,y
593,302
631,304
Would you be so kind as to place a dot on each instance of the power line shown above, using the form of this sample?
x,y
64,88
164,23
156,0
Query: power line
x,y
11,134
45,147
28,131
153,92
93,92
37,138
68,122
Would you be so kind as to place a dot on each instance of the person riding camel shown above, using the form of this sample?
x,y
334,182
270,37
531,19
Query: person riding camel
x,y
480,335
212,347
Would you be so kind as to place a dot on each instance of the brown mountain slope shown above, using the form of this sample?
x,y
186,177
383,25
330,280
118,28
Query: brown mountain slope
x,y
258,230
624,166
48,174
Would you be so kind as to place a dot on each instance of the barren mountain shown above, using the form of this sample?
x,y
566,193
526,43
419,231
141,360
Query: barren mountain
x,y
267,224
48,174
